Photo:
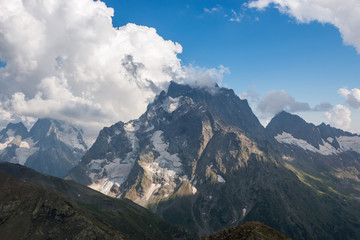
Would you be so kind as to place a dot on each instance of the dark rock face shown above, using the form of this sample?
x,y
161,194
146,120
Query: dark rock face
x,y
248,231
201,159
296,126
52,147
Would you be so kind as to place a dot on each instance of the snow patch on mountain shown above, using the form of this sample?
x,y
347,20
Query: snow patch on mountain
x,y
96,164
70,136
100,170
325,148
130,130
220,179
165,160
104,186
6,143
107,173
24,144
151,190
165,170
171,104
10,137
26,149
244,212
158,172
349,143
118,170
193,190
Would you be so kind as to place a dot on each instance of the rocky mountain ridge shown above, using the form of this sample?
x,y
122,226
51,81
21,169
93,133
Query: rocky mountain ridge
x,y
51,146
321,156
324,139
201,159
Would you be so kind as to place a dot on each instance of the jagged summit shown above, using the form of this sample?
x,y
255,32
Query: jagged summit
x,y
296,126
222,103
14,129
61,130
292,130
51,146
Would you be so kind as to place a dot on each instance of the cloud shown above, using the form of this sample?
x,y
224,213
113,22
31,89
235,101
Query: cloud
x,y
322,107
202,77
344,14
339,116
352,96
236,17
218,8
5,116
278,100
251,95
64,59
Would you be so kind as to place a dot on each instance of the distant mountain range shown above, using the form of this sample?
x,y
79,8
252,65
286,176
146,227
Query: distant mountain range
x,y
52,147
200,159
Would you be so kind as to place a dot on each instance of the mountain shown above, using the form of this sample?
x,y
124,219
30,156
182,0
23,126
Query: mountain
x,y
11,138
30,212
13,129
248,231
321,156
51,147
324,139
37,206
201,159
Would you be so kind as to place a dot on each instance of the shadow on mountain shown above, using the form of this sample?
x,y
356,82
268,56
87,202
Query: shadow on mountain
x,y
114,215
268,193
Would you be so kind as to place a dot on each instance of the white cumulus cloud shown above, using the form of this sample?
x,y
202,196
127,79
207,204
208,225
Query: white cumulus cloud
x,y
352,96
344,14
66,60
339,116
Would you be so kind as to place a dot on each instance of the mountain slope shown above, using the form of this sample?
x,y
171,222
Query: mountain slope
x,y
322,156
52,147
201,159
324,139
248,231
30,212
116,216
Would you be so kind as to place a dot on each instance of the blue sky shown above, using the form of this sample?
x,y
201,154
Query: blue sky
x,y
98,62
265,50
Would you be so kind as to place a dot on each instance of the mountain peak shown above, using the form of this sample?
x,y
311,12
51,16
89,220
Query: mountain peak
x,y
284,115
52,146
288,123
14,129
41,128
223,103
